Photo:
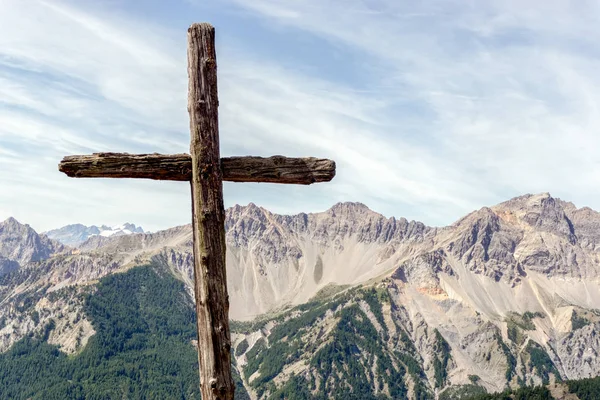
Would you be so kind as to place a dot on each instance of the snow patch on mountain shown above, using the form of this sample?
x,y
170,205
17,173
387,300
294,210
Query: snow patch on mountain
x,y
125,229
75,234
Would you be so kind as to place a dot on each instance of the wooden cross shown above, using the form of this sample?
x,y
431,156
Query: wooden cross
x,y
205,170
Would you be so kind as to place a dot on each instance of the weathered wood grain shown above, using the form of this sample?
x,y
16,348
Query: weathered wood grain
x,y
178,167
172,167
208,218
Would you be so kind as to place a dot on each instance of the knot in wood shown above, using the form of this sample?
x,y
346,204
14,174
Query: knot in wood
x,y
213,383
206,170
200,105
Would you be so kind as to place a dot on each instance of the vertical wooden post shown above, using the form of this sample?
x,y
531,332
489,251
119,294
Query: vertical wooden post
x,y
208,218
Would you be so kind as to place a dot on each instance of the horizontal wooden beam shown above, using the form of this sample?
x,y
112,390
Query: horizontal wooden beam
x,y
178,167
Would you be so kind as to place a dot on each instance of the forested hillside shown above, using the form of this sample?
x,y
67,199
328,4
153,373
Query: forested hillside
x,y
582,389
142,349
346,343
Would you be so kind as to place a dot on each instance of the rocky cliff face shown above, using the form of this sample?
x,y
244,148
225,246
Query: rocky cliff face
x,y
510,291
7,265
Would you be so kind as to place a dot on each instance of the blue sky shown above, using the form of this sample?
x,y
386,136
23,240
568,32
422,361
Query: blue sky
x,y
431,109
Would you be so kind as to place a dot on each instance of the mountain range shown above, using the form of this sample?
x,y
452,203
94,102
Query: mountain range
x,y
347,300
75,234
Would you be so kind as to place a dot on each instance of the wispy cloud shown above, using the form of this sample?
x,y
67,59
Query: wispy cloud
x,y
507,91
73,83
438,107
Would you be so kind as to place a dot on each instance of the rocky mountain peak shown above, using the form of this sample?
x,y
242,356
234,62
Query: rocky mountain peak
x,y
132,228
482,217
540,212
350,209
534,232
535,203
11,227
249,211
11,224
21,244
9,221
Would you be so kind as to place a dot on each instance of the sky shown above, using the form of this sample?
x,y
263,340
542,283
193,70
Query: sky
x,y
430,109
